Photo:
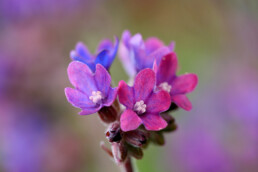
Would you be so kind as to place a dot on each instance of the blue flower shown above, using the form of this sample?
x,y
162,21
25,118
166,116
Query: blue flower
x,y
105,54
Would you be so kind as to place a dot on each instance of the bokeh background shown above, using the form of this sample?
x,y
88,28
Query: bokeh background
x,y
218,40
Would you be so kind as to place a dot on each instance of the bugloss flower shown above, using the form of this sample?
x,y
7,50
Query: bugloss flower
x,y
137,54
143,105
176,86
92,90
105,54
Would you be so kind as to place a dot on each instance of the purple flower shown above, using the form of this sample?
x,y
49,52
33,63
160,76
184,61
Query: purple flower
x,y
105,54
143,105
176,86
137,54
92,91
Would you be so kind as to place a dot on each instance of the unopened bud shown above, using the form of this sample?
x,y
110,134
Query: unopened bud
x,y
135,152
136,138
119,152
107,114
168,118
114,133
172,107
171,123
157,137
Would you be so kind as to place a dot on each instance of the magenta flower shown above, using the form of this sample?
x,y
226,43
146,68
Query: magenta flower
x,y
105,54
176,86
92,91
137,54
143,105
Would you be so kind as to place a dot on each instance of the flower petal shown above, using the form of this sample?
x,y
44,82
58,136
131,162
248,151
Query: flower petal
x,y
126,95
88,111
107,53
136,41
171,46
144,84
105,44
184,84
78,99
152,44
158,102
126,36
102,79
156,55
81,77
83,52
182,101
125,56
167,68
153,122
103,58
113,52
129,120
111,96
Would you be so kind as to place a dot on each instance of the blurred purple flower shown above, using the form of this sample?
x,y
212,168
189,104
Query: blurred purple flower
x,y
23,134
20,10
105,54
226,139
92,91
137,54
143,106
177,86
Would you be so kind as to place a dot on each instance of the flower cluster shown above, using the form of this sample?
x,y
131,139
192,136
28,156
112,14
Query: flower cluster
x,y
137,114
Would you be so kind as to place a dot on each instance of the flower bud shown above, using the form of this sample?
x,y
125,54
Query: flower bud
x,y
172,107
171,123
107,114
157,138
136,138
135,152
114,133
169,119
119,152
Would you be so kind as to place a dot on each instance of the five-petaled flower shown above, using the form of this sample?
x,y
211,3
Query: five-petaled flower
x,y
143,105
105,54
92,90
177,86
137,54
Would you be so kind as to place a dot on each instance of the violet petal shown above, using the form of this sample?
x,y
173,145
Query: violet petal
x,y
167,68
184,84
81,77
77,98
103,79
153,122
126,95
182,101
111,96
158,102
144,84
129,120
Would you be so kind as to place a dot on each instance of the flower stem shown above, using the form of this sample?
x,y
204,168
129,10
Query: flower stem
x,y
127,166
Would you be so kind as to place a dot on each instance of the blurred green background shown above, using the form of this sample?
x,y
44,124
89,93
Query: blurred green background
x,y
41,131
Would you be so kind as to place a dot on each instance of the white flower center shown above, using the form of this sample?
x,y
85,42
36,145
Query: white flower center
x,y
165,86
140,107
96,97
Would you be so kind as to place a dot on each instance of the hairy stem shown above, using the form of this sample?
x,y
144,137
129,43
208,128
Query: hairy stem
x,y
127,166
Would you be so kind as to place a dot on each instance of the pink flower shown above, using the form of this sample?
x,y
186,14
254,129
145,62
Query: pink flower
x,y
176,86
143,105
92,90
